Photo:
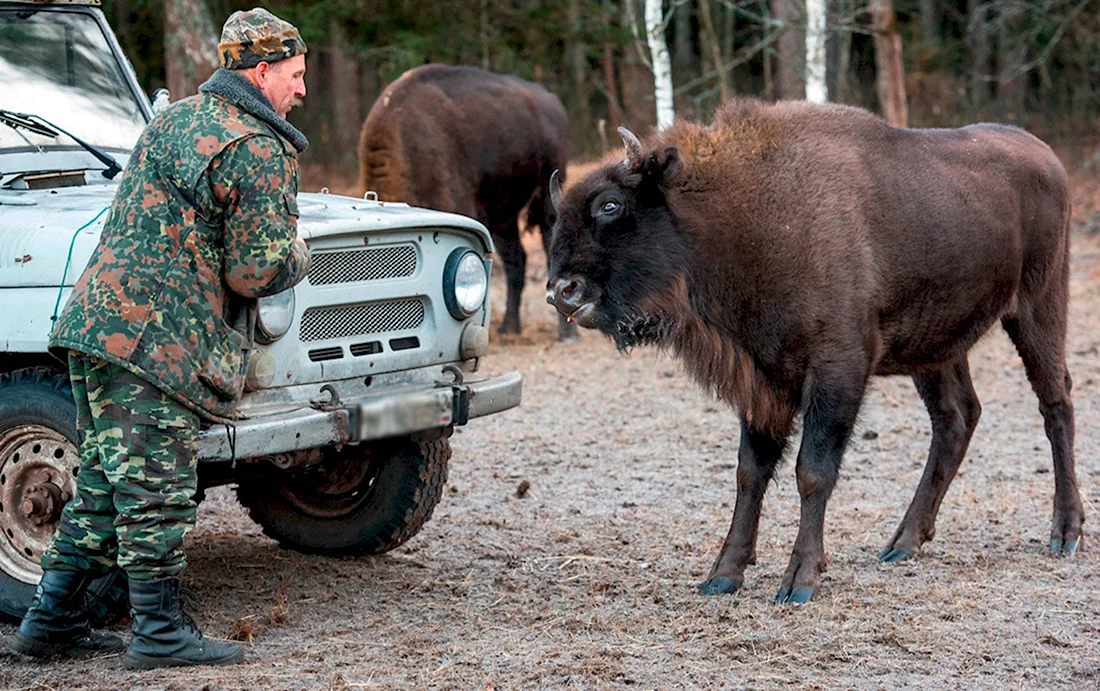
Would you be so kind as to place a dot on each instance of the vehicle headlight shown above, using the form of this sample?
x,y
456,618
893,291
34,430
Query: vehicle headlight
x,y
274,316
464,283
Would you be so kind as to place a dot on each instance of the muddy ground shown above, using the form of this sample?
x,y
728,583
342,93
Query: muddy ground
x,y
588,579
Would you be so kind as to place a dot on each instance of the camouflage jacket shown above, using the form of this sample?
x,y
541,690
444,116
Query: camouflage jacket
x,y
203,223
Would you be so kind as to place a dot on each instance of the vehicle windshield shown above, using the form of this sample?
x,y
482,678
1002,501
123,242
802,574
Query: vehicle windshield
x,y
59,65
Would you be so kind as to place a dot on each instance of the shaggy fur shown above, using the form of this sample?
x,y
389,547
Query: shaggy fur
x,y
467,141
789,251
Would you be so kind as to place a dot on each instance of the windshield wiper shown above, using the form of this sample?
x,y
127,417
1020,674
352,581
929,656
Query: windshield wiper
x,y
45,128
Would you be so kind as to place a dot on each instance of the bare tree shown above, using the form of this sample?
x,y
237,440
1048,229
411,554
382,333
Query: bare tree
x,y
710,40
607,63
578,63
791,50
889,68
662,64
190,46
683,47
977,41
816,89
930,22
1011,56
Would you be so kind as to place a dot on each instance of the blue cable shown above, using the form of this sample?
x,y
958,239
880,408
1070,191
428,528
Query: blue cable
x,y
69,259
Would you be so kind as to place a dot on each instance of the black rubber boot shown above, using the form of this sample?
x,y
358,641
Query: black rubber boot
x,y
56,625
163,636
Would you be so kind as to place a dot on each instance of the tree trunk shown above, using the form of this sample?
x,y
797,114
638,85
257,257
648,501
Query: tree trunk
x,y
346,107
190,46
729,24
816,89
889,68
843,66
636,74
790,53
483,33
610,83
578,64
769,77
683,47
710,42
977,40
662,65
1011,55
930,22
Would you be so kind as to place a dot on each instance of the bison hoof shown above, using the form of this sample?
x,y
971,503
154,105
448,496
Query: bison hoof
x,y
508,328
719,586
891,555
796,596
1063,549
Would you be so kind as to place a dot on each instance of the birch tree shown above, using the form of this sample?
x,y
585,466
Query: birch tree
x,y
662,64
816,89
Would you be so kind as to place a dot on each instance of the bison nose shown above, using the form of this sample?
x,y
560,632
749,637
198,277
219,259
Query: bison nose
x,y
565,293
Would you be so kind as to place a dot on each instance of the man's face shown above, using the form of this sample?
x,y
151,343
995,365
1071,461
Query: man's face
x,y
283,83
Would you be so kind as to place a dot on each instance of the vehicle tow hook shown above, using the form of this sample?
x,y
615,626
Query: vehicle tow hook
x,y
455,372
332,403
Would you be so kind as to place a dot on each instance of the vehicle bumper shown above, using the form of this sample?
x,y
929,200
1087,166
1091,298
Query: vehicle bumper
x,y
362,419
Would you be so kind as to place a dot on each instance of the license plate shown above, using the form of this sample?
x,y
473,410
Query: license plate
x,y
412,413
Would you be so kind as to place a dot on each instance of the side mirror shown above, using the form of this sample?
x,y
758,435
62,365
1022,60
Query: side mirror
x,y
161,99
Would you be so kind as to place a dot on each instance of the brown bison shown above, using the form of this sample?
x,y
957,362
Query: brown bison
x,y
788,252
471,142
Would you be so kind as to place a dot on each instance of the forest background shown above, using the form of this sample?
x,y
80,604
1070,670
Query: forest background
x,y
925,63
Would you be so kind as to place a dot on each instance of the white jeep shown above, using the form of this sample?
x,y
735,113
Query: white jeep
x,y
363,371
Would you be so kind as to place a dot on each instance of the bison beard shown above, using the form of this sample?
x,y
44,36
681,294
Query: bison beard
x,y
471,142
788,252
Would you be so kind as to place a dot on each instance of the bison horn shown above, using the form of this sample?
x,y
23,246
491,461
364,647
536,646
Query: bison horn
x,y
555,192
634,155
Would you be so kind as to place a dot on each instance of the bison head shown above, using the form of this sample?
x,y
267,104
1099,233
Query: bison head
x,y
617,247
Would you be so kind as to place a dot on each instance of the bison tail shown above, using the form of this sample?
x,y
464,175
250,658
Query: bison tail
x,y
380,167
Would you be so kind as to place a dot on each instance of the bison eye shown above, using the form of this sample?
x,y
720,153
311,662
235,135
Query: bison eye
x,y
609,208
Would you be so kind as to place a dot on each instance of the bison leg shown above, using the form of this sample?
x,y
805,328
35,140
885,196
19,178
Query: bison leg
x,y
757,459
828,418
1040,336
948,393
515,272
567,330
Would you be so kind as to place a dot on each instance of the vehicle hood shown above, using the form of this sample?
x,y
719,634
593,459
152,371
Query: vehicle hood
x,y
38,227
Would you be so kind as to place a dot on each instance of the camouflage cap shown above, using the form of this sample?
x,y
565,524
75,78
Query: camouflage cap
x,y
254,36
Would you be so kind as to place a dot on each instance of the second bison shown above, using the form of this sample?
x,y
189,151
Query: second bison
x,y
467,141
788,252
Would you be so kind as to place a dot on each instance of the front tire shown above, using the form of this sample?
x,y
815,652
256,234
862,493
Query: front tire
x,y
39,458
365,499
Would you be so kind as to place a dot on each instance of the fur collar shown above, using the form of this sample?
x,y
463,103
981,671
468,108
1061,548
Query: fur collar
x,y
243,93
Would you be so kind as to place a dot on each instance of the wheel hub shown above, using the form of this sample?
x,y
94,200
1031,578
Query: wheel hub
x,y
335,487
37,477
43,500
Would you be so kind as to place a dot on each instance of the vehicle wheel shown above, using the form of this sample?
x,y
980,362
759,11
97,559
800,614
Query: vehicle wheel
x,y
365,499
38,464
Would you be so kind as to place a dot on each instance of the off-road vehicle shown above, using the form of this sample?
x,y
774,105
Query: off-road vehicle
x,y
362,372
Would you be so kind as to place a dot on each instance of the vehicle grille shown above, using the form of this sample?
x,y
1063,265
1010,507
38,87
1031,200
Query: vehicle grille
x,y
359,320
373,264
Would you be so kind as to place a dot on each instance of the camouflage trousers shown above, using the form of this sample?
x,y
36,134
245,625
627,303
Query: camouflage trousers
x,y
137,476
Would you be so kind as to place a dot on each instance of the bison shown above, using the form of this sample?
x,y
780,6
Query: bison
x,y
484,145
789,251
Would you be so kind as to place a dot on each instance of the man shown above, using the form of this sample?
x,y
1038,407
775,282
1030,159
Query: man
x,y
157,335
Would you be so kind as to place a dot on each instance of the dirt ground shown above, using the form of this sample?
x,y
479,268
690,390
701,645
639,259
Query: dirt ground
x,y
587,579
